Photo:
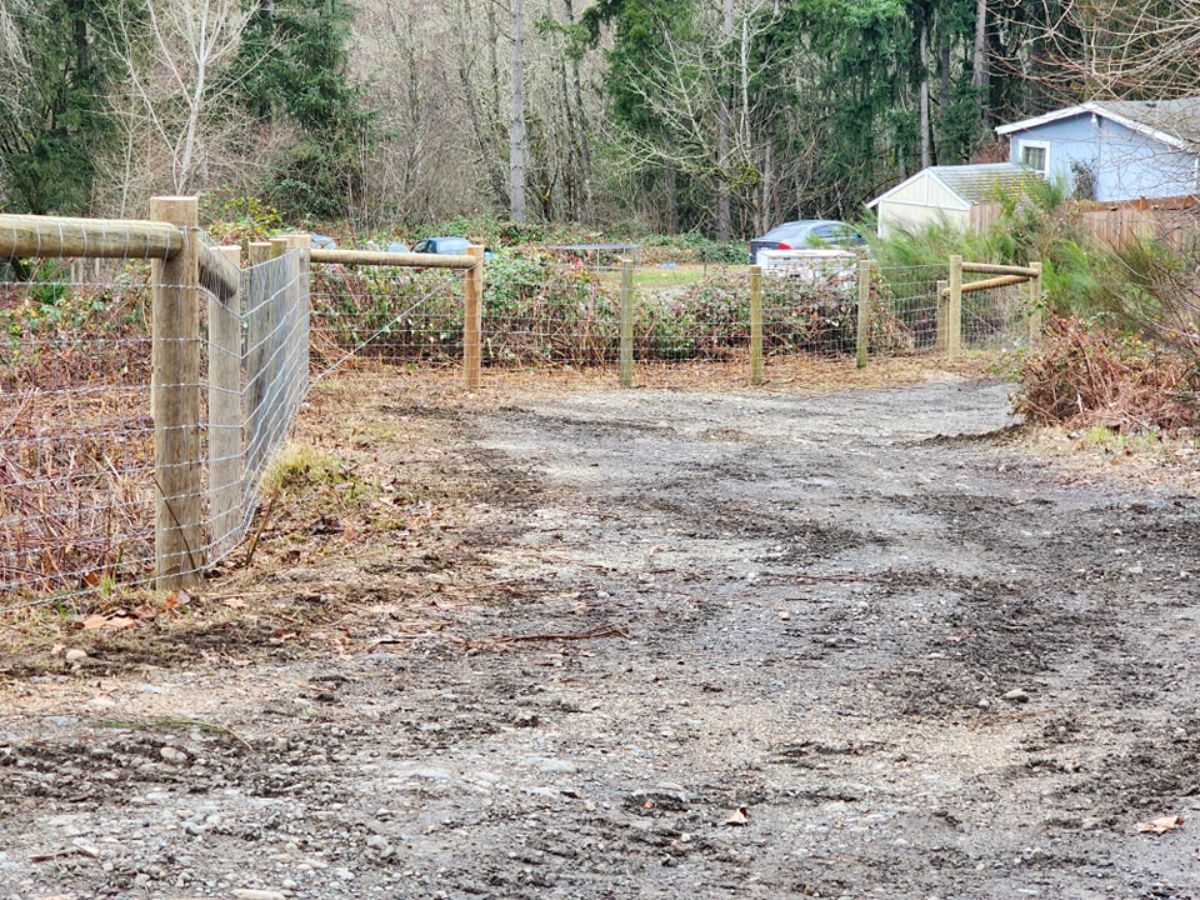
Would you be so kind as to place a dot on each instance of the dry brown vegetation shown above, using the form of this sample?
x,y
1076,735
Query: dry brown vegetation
x,y
1083,376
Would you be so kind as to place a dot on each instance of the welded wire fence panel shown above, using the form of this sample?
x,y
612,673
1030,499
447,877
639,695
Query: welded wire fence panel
x,y
550,312
905,309
996,319
385,314
706,320
77,489
274,363
78,484
811,309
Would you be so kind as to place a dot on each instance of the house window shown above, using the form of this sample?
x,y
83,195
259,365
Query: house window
x,y
1036,155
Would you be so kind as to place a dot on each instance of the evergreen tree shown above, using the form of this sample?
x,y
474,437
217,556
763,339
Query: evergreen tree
x,y
295,62
52,115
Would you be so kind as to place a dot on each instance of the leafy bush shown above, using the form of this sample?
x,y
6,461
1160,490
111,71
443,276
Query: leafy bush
x,y
236,219
690,248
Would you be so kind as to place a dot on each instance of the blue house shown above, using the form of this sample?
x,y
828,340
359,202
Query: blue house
x,y
1114,150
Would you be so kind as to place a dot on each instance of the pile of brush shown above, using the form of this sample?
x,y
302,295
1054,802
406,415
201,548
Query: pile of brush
x,y
1083,376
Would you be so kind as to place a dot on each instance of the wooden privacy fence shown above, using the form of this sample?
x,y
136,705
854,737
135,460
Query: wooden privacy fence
x,y
1175,225
229,364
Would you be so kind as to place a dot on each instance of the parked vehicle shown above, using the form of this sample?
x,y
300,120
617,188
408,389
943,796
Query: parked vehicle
x,y
442,245
806,234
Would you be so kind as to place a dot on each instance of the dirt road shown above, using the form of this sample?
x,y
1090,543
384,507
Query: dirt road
x,y
680,645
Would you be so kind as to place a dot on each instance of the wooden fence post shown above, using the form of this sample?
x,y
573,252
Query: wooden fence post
x,y
756,326
473,319
942,344
226,450
260,252
954,317
626,323
175,401
864,311
1035,306
302,309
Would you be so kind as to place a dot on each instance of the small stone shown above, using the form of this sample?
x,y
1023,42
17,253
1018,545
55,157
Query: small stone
x,y
550,764
256,894
1017,695
87,849
344,874
75,655
173,756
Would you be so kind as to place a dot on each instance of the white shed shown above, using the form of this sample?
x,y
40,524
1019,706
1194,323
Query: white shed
x,y
946,194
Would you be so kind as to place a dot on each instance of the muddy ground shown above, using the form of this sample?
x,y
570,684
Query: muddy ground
x,y
652,643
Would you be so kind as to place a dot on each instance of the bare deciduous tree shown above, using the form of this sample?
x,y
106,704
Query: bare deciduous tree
x,y
173,103
518,149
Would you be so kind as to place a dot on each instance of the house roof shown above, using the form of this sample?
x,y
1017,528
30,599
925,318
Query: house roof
x,y
1175,123
977,183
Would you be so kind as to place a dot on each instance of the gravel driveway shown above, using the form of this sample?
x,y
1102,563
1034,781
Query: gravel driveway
x,y
848,645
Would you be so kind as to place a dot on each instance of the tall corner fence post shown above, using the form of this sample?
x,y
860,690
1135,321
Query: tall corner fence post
x,y
954,313
626,323
226,451
756,326
179,556
1035,306
473,320
942,345
863,332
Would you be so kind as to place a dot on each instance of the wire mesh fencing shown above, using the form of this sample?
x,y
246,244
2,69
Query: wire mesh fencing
x,y
144,398
85,470
385,314
910,311
996,319
77,495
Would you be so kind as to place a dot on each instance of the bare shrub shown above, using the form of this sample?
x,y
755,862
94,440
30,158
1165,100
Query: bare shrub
x,y
1096,376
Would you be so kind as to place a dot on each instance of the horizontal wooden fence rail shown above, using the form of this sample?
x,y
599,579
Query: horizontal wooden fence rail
x,y
994,269
56,236
51,237
218,273
988,283
379,258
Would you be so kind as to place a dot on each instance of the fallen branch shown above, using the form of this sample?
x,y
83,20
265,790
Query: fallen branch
x,y
601,631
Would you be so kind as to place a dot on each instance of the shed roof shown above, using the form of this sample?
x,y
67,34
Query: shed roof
x,y
976,183
1172,122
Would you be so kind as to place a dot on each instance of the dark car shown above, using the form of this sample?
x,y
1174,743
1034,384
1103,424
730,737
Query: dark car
x,y
442,245
806,234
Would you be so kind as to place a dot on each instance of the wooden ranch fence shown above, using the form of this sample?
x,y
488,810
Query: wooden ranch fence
x,y
258,331
218,417
950,298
